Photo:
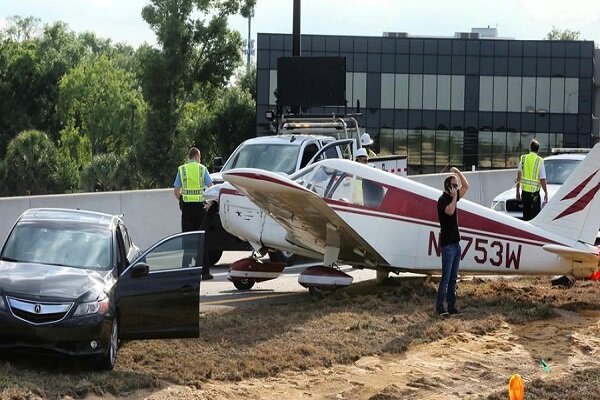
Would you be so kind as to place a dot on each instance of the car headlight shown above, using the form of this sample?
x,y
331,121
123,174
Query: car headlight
x,y
498,205
2,303
93,307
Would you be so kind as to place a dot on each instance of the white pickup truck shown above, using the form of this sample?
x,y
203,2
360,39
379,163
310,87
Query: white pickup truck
x,y
299,142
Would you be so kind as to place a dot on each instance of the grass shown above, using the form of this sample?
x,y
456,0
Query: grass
x,y
263,341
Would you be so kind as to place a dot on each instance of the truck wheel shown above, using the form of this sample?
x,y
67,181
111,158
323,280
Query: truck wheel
x,y
282,256
243,284
214,256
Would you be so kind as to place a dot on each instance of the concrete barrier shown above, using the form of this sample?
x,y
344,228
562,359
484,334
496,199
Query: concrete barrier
x,y
153,214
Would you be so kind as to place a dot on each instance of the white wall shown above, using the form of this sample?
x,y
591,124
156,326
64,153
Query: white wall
x,y
153,214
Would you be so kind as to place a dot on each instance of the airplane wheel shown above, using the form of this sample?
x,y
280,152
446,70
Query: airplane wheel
x,y
214,256
282,256
315,292
243,284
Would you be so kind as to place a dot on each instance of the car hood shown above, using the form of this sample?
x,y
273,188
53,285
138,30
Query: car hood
x,y
510,193
43,281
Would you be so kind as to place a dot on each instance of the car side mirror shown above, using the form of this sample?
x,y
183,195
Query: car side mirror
x,y
217,164
140,270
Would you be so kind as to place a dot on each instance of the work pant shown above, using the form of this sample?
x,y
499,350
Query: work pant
x,y
191,220
532,204
447,287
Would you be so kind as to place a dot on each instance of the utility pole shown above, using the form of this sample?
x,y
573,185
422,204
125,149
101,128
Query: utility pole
x,y
250,41
296,30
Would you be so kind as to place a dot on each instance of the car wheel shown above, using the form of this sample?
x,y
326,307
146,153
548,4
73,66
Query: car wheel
x,y
214,256
244,284
282,256
108,360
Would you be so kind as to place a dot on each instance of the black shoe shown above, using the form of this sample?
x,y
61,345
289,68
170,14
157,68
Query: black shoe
x,y
454,311
442,313
207,277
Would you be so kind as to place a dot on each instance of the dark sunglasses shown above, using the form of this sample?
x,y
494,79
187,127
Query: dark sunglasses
x,y
454,185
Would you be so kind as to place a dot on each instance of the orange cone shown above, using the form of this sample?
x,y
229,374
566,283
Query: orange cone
x,y
516,388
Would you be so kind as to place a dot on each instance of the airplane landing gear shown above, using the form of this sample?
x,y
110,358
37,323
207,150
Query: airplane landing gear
x,y
246,272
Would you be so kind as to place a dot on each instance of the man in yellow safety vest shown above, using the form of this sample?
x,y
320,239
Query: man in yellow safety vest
x,y
530,176
191,180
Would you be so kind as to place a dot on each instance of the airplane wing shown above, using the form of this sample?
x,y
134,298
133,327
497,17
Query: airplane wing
x,y
307,218
571,254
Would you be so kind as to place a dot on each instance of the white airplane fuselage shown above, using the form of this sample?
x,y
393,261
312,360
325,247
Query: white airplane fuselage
x,y
402,228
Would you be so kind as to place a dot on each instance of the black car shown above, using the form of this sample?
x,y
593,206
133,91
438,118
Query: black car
x,y
73,282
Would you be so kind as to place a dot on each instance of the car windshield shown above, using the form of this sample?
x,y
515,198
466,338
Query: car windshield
x,y
270,157
63,245
557,171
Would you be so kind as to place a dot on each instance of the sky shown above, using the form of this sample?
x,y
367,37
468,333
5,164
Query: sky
x,y
121,21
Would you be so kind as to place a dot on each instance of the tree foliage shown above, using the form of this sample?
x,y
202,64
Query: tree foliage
x,y
31,164
563,34
101,101
196,49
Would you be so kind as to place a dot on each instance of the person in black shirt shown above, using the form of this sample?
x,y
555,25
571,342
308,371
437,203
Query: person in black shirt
x,y
450,240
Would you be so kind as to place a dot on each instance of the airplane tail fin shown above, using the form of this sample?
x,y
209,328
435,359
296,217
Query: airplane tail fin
x,y
574,211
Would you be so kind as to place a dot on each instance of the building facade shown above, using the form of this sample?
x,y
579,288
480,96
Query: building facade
x,y
462,102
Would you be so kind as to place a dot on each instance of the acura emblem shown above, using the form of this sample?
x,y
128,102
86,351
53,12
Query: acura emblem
x,y
37,308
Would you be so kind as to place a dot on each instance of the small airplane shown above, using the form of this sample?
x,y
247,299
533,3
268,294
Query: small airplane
x,y
344,212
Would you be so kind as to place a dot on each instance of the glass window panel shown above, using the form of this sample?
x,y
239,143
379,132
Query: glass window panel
x,y
457,93
557,95
485,149
542,95
486,90
499,150
514,94
429,92
401,142
513,150
559,140
443,92
359,91
428,148
386,141
456,148
500,93
526,139
401,96
442,148
387,90
415,92
349,80
272,85
528,92
544,140
414,146
571,95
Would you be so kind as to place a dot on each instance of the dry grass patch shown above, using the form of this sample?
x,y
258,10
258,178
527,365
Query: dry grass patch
x,y
265,340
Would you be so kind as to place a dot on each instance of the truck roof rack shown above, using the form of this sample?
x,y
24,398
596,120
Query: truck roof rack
x,y
569,150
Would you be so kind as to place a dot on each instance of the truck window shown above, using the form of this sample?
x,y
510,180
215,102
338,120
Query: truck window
x,y
309,152
271,157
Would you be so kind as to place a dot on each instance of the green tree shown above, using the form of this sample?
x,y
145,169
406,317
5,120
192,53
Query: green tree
x,y
20,29
234,119
194,52
31,164
102,102
109,172
247,81
563,34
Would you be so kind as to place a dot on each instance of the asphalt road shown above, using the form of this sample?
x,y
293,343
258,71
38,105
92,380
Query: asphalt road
x,y
220,293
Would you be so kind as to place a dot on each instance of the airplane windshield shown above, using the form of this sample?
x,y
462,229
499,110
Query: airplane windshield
x,y
339,185
271,157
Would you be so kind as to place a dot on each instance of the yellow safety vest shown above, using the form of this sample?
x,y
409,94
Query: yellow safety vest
x,y
192,182
530,172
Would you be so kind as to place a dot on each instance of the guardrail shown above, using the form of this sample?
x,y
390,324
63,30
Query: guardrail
x,y
153,214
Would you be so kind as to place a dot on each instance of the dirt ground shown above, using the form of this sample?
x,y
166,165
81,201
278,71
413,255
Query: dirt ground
x,y
365,342
458,367
462,365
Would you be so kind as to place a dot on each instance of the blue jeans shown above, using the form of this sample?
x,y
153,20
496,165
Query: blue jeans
x,y
447,288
